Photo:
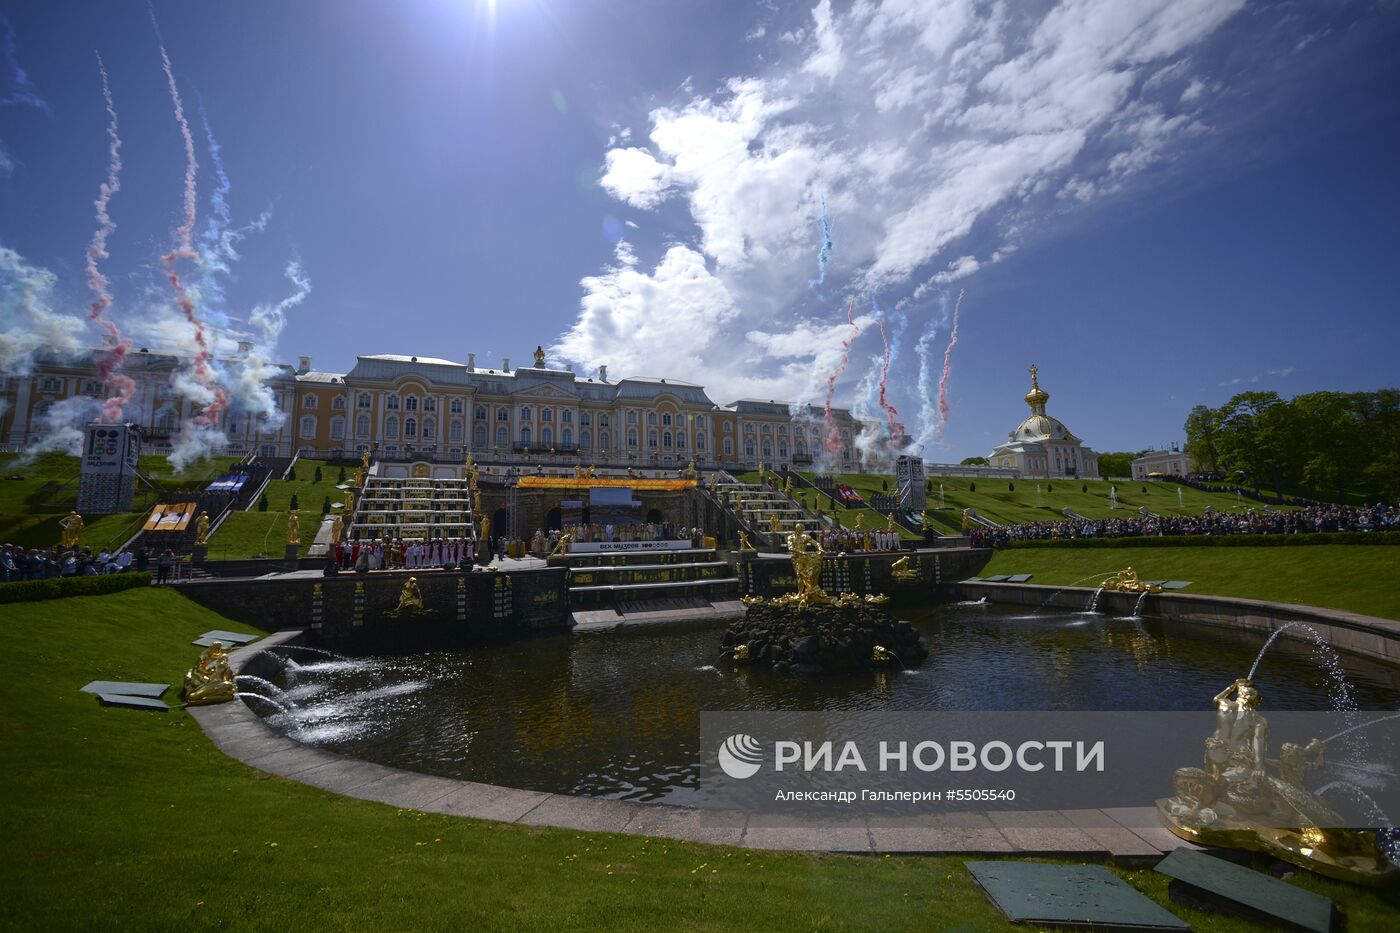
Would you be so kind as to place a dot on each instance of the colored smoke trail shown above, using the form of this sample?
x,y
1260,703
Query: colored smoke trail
x,y
110,364
928,407
833,437
824,253
215,244
897,430
943,407
209,393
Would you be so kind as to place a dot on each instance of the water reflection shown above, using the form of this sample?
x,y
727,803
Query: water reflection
x,y
618,715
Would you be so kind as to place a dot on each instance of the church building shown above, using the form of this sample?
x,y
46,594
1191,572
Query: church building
x,y
1042,447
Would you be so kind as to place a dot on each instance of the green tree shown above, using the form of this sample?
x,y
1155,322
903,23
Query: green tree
x,y
975,461
1118,463
1201,439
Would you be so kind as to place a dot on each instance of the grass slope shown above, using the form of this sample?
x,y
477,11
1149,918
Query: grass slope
x,y
1042,500
117,819
248,534
1359,578
47,488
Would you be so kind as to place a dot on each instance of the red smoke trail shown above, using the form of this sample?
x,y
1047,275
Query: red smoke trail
x,y
109,366
833,437
896,428
184,249
943,406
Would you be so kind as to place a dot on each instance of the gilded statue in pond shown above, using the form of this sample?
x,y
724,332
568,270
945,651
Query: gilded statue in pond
x,y
201,528
1235,802
806,553
1126,581
410,600
903,570
70,529
211,678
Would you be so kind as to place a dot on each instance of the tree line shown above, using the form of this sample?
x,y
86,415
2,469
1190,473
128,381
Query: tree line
x,y
1321,443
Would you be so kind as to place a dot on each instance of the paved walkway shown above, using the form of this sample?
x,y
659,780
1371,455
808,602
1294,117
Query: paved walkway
x,y
1130,833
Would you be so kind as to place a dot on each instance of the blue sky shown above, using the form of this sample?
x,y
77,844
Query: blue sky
x,y
1158,203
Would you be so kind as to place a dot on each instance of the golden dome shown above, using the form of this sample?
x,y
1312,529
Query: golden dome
x,y
1036,397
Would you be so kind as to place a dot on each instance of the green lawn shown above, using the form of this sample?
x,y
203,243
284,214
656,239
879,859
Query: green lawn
x,y
847,517
1042,500
117,819
31,506
250,533
1359,578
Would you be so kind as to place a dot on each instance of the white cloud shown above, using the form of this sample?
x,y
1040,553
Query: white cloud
x,y
935,132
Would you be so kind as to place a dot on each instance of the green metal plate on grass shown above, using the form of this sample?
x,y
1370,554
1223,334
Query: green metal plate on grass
x,y
234,638
1019,577
1279,900
1176,584
999,578
1083,895
119,699
125,688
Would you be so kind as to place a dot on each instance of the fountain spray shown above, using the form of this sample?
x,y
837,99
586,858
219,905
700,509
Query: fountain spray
x,y
120,387
943,406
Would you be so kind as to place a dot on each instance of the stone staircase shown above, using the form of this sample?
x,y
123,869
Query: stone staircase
x,y
618,579
759,505
413,508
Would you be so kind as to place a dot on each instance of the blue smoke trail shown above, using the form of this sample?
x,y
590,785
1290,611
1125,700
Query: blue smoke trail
x,y
823,254
23,93
928,393
215,246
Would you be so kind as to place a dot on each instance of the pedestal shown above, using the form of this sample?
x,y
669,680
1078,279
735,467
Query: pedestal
x,y
198,554
290,556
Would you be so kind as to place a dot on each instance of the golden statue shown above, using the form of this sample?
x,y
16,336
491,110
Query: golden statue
x,y
485,528
349,503
903,570
592,472
762,470
689,472
476,501
201,529
539,357
923,521
787,487
860,520
1236,803
806,553
364,459
470,462
744,543
410,599
71,527
1127,581
889,524
562,548
293,527
775,524
211,678
714,482
337,528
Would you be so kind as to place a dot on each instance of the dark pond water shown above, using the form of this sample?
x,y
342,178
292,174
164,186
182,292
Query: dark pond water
x,y
617,715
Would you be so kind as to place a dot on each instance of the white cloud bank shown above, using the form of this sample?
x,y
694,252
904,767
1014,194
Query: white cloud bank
x,y
937,132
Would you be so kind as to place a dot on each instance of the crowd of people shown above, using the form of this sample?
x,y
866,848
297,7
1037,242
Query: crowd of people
x,y
847,540
1314,518
17,564
401,554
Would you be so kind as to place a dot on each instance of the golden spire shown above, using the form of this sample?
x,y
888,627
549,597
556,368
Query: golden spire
x,y
1036,397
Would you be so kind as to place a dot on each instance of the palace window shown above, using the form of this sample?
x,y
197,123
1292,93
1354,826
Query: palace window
x,y
748,447
748,428
308,426
680,440
782,429
455,406
767,448
729,446
337,429
430,404
782,449
363,400
546,414
585,439
699,442
410,403
651,418
479,435
566,416
392,403
631,438
391,426
729,427
603,421
165,419
338,403
651,438
585,419
666,419
801,446
502,436
362,426
603,439
454,433
308,401
525,413
429,427
666,440
50,384
767,429
699,421
525,435
502,414
546,436
410,427
566,436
